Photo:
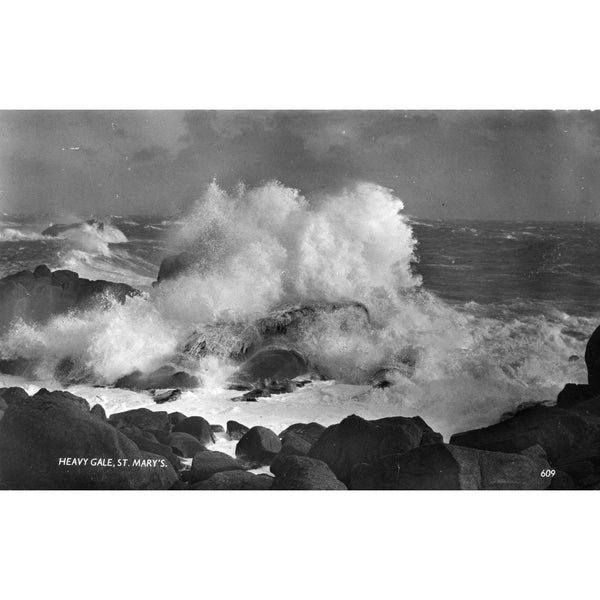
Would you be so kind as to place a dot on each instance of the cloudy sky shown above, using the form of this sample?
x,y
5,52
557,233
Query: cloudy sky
x,y
443,164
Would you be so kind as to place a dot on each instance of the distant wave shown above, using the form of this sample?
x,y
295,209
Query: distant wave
x,y
9,234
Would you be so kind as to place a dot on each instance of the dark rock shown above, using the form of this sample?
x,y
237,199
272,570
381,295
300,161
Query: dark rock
x,y
42,294
252,396
184,444
176,417
42,271
145,441
163,378
160,435
292,445
172,267
36,433
235,480
62,396
280,327
303,473
236,431
447,467
131,431
206,464
562,481
99,412
592,359
356,440
573,396
560,432
258,446
273,363
142,418
168,396
13,394
70,372
571,438
217,428
523,406
289,320
199,428
3,407
310,432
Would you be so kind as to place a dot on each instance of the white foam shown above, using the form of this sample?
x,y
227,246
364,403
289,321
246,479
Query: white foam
x,y
261,247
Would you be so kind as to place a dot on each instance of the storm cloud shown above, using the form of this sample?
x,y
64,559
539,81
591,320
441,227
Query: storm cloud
x,y
443,164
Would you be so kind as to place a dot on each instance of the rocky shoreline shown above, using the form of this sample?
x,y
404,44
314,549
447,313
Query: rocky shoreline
x,y
56,440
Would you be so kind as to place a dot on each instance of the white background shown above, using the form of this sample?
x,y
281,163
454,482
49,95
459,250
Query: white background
x,y
306,54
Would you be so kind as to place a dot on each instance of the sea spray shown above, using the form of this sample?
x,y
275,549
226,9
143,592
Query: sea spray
x,y
256,249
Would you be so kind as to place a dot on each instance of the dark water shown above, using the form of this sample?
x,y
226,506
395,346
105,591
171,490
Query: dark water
x,y
513,266
507,268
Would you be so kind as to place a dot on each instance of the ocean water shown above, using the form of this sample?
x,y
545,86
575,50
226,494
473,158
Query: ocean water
x,y
474,317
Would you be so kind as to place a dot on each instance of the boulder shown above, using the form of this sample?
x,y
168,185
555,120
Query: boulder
x,y
293,445
258,446
356,440
184,444
168,396
13,394
574,393
271,363
217,428
447,467
303,473
174,266
579,398
160,435
167,377
235,480
282,326
197,427
41,294
206,464
235,430
145,441
39,435
176,417
560,432
571,439
310,432
63,397
98,411
142,418
592,359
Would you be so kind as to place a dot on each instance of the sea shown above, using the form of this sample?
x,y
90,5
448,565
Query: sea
x,y
472,318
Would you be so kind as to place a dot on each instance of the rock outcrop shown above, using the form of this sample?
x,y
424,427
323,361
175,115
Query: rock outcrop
x,y
303,473
356,440
50,441
447,467
40,294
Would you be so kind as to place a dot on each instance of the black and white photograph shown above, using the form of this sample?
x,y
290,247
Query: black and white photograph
x,y
299,300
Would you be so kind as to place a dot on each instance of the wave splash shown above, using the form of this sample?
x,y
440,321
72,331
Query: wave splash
x,y
259,248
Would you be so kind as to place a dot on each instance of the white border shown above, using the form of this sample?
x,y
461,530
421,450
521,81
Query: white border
x,y
268,54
